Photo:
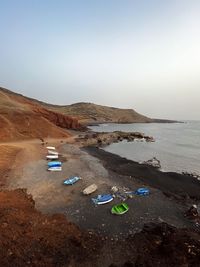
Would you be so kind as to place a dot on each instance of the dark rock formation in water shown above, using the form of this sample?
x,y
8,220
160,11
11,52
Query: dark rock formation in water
x,y
107,138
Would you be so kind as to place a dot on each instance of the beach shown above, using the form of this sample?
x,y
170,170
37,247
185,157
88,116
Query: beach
x,y
170,193
104,233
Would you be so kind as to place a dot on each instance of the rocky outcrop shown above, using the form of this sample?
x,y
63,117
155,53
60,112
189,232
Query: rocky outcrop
x,y
107,138
59,119
153,162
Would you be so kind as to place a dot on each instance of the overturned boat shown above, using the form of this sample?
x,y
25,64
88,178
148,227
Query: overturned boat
x,y
55,169
51,147
51,152
52,156
54,164
90,189
71,180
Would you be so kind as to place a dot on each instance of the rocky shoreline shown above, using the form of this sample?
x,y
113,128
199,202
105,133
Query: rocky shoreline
x,y
101,139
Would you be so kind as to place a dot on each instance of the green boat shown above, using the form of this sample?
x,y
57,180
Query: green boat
x,y
120,209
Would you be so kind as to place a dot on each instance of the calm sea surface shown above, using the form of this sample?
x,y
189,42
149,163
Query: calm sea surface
x,y
177,145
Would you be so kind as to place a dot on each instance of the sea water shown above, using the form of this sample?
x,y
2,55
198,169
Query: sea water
x,y
177,145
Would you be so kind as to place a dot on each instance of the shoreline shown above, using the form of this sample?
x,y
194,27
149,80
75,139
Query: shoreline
x,y
175,184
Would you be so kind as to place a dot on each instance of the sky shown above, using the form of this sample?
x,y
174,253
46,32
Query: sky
x,y
140,54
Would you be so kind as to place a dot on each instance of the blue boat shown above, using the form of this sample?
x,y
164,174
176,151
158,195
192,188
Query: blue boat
x,y
71,180
102,199
54,164
142,191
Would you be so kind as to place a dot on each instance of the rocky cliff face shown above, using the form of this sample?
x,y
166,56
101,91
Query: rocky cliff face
x,y
58,119
22,118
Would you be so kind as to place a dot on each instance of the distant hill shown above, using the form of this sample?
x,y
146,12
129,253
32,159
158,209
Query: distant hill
x,y
22,118
88,113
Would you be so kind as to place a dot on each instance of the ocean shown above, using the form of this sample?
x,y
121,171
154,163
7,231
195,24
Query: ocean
x,y
177,145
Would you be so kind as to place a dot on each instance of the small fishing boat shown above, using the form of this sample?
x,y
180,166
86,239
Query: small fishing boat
x,y
120,209
52,156
51,147
50,152
142,191
90,189
54,164
102,199
55,169
71,180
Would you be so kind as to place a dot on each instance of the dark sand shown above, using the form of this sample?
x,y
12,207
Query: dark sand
x,y
106,170
179,185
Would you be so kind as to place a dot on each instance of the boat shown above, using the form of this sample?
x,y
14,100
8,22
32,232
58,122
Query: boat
x,y
52,156
142,191
102,199
90,189
50,152
54,164
120,209
58,168
71,180
51,147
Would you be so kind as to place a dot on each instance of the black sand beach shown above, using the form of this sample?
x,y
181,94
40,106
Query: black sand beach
x,y
174,184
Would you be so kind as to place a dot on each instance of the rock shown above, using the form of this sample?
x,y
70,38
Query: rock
x,y
192,212
114,189
153,162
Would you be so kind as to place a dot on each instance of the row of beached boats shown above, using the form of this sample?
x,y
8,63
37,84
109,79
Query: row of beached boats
x,y
102,199
53,155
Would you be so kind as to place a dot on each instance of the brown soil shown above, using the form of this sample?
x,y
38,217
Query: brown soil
x,y
29,238
22,118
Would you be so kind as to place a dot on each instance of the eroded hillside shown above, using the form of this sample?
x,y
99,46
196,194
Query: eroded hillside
x,y
23,118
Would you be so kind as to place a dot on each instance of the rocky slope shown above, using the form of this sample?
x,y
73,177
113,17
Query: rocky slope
x,y
22,118
84,113
89,113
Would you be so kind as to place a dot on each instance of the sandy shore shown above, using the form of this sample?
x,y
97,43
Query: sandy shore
x,y
106,170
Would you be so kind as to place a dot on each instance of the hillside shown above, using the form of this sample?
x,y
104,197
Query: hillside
x,y
23,118
85,113
88,113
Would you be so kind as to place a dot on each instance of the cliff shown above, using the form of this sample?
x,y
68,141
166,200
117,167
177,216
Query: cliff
x,y
23,118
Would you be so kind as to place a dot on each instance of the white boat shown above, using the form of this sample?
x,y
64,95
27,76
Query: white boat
x,y
50,152
52,156
55,169
90,189
51,147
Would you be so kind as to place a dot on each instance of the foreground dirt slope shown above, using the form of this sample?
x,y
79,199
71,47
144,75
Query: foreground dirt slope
x,y
22,118
29,238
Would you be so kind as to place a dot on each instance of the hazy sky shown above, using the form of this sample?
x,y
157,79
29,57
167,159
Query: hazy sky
x,y
141,54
